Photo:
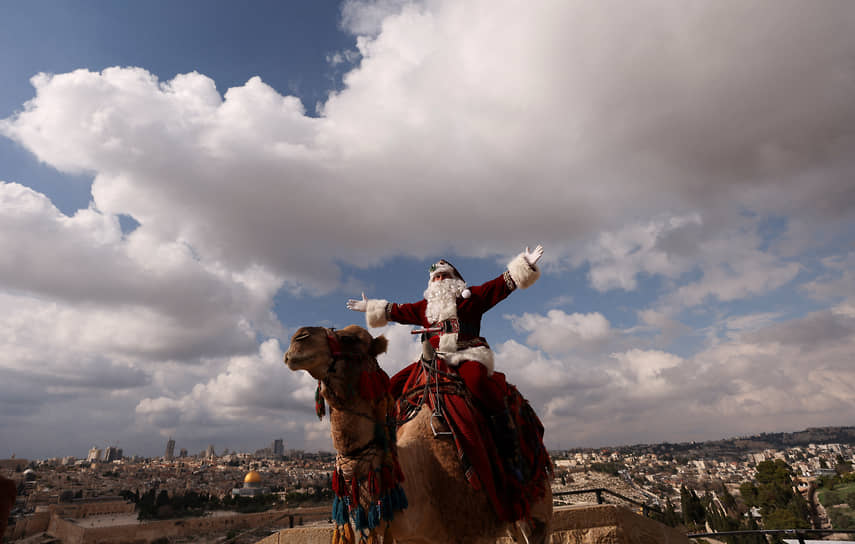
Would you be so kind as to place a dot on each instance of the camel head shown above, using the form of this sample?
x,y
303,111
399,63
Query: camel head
x,y
318,350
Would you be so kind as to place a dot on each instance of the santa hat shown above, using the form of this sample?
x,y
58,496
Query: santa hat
x,y
444,266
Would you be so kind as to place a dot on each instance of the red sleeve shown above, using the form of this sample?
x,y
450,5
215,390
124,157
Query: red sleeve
x,y
408,314
494,291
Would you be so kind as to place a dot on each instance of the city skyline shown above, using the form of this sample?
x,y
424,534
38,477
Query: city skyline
x,y
183,185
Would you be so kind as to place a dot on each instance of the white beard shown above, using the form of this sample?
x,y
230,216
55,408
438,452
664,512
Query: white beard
x,y
441,297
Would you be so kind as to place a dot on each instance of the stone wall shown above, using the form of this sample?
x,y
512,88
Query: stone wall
x,y
593,524
142,533
93,508
29,526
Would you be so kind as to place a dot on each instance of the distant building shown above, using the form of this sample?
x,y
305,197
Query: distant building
x,y
278,447
111,453
252,486
14,464
183,453
169,455
94,455
209,453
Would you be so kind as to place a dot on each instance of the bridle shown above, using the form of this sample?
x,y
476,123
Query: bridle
x,y
336,355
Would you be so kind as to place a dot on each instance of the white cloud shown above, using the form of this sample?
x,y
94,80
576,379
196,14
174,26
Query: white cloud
x,y
254,390
787,375
837,279
80,281
734,268
640,371
558,332
617,258
365,17
645,141
473,100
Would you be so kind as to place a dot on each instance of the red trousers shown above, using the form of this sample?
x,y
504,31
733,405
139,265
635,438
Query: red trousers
x,y
487,389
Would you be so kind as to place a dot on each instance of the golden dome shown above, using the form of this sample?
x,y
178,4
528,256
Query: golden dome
x,y
252,477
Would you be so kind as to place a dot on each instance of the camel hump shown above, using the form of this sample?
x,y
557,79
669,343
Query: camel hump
x,y
355,333
379,345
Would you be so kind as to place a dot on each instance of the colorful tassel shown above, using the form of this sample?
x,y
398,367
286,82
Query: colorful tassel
x,y
374,515
354,491
339,513
349,537
336,483
360,518
373,488
336,536
387,478
320,403
386,508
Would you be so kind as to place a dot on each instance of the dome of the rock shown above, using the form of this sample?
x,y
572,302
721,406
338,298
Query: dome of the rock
x,y
252,477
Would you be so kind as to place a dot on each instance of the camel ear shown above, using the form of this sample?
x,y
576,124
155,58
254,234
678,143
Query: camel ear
x,y
378,345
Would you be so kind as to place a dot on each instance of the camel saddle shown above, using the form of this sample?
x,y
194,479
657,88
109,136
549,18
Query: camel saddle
x,y
510,463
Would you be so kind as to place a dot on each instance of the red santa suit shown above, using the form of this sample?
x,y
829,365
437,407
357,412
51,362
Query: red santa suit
x,y
460,343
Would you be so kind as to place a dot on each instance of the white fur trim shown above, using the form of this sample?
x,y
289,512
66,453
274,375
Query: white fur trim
x,y
523,274
482,354
448,342
375,312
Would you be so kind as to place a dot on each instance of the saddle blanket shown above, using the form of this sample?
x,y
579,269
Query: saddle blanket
x,y
512,485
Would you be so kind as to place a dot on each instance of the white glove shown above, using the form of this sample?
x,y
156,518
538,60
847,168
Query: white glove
x,y
532,257
357,305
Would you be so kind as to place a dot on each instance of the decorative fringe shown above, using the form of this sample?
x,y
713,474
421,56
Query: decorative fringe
x,y
349,536
360,518
373,485
374,515
337,483
381,493
354,491
369,538
320,403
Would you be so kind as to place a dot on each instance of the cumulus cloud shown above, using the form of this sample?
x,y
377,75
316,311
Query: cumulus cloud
x,y
700,106
786,373
257,389
81,279
617,258
559,332
365,17
650,141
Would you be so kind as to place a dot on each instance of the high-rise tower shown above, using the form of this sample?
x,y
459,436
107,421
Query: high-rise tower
x,y
170,450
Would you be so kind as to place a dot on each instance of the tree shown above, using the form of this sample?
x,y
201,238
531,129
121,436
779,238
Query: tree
x,y
780,506
670,516
693,510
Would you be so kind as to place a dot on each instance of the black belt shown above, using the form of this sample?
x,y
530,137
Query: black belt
x,y
450,326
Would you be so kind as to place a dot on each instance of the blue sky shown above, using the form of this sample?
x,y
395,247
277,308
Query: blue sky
x,y
182,185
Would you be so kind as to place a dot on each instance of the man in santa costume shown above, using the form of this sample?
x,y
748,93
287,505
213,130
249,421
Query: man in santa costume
x,y
456,309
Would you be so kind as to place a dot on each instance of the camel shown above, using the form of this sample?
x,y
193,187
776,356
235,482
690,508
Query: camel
x,y
442,506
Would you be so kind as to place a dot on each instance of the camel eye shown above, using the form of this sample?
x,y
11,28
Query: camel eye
x,y
301,337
